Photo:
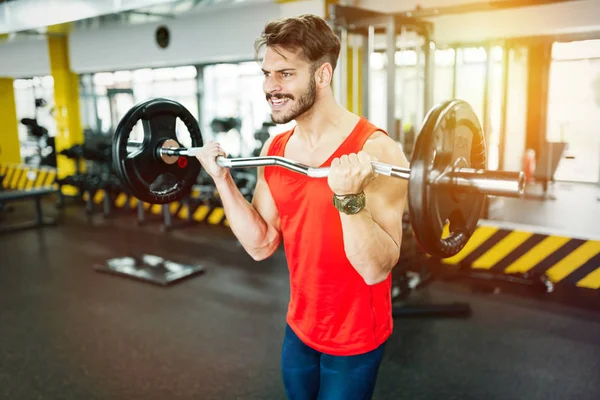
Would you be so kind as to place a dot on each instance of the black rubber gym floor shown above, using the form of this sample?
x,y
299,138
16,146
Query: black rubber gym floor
x,y
69,332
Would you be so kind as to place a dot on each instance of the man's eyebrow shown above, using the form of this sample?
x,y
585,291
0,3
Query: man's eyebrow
x,y
279,70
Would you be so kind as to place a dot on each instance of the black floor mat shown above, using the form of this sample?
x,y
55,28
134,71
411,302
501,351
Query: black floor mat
x,y
69,332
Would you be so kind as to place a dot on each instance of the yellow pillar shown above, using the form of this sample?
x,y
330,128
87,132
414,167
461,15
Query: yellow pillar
x,y
66,98
359,91
354,84
327,4
349,78
10,147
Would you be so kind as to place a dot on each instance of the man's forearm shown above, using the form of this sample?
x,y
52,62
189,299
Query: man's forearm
x,y
246,223
369,248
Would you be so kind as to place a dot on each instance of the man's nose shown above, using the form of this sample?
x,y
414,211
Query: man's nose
x,y
271,86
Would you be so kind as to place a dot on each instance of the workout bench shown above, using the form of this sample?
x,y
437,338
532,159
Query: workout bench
x,y
30,194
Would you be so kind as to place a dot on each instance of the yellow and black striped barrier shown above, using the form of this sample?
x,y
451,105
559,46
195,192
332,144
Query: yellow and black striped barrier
x,y
205,213
513,248
495,246
22,176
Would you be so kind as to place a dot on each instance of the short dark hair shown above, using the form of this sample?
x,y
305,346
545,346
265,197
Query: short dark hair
x,y
309,33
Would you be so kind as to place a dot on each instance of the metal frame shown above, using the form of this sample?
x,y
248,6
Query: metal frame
x,y
429,81
200,92
503,105
348,19
455,72
356,61
390,30
341,75
486,95
368,48
89,93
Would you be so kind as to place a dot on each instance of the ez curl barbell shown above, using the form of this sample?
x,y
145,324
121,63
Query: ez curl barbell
x,y
448,182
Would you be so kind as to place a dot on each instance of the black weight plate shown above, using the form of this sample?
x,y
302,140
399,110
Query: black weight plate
x,y
143,172
451,136
125,124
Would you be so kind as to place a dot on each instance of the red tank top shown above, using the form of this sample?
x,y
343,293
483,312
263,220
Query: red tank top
x,y
331,308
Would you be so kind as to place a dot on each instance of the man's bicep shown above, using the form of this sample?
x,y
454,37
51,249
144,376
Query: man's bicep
x,y
388,194
387,206
263,203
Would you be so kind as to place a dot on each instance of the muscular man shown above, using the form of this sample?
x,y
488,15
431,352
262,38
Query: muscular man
x,y
341,234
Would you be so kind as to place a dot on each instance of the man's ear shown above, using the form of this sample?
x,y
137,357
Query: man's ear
x,y
324,75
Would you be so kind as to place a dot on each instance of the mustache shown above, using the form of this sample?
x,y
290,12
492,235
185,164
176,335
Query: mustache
x,y
279,96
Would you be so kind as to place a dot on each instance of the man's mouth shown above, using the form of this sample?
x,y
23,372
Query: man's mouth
x,y
277,103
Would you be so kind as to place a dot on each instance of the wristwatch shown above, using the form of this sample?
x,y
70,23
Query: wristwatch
x,y
349,204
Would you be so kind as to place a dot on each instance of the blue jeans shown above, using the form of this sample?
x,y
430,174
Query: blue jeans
x,y
310,375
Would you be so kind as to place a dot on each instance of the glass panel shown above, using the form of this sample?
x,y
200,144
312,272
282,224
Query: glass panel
x,y
187,87
409,88
470,77
187,72
35,144
104,79
163,74
87,105
123,77
103,110
444,75
377,89
409,96
165,88
516,109
100,90
143,91
142,75
121,104
573,102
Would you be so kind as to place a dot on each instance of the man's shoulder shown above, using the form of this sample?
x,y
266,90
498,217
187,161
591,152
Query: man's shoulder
x,y
383,147
379,138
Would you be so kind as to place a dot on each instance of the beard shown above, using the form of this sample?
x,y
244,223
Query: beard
x,y
304,103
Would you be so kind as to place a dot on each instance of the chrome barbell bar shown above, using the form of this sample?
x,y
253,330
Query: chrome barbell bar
x,y
492,183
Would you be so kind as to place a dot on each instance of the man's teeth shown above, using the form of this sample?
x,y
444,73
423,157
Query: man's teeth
x,y
278,101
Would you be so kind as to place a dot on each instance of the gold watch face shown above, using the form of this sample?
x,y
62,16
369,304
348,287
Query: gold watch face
x,y
351,204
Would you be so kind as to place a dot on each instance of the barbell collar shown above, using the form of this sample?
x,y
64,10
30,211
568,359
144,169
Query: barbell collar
x,y
491,183
188,152
391,170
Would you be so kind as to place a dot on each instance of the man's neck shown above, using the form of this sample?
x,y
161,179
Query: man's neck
x,y
324,116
